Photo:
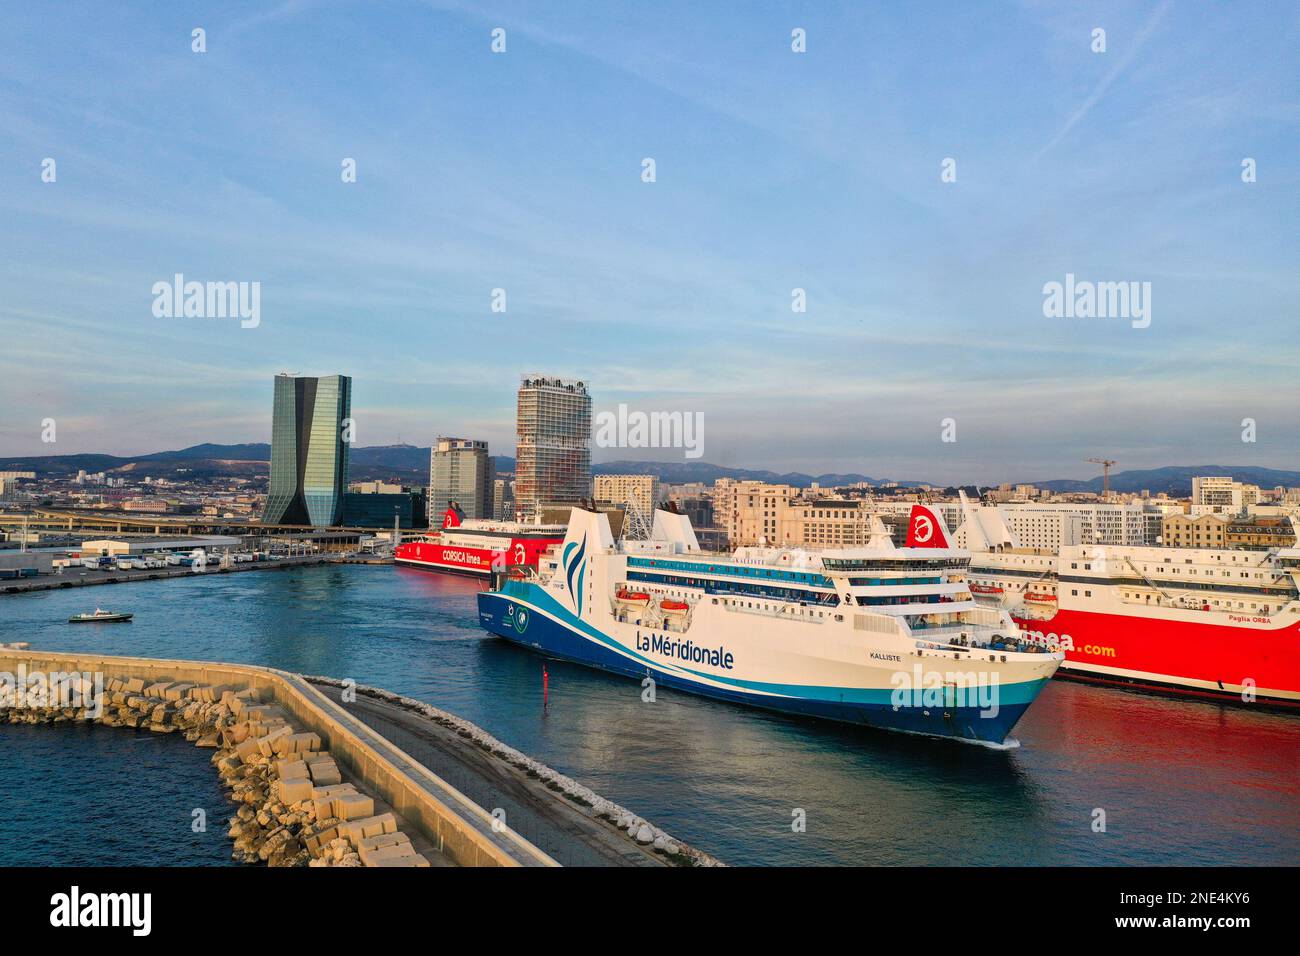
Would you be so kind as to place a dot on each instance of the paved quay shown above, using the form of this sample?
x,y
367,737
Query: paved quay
x,y
84,577
564,818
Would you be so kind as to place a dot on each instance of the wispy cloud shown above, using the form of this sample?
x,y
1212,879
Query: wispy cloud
x,y
1131,50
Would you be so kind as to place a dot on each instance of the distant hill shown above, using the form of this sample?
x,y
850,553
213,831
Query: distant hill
x,y
407,463
258,451
680,472
410,464
1175,480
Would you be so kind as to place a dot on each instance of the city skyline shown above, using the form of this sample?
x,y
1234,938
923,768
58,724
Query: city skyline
x,y
523,171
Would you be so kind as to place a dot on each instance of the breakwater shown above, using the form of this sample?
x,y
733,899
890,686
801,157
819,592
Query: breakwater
x,y
313,785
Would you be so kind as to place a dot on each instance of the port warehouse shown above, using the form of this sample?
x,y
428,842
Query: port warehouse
x,y
112,547
16,564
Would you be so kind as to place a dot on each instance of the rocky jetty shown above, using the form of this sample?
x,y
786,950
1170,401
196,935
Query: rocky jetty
x,y
294,808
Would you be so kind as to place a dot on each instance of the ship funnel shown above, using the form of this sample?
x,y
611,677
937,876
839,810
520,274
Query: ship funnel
x,y
676,530
984,528
588,529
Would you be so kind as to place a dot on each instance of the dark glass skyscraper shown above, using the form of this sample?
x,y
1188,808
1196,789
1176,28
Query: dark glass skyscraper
x,y
309,456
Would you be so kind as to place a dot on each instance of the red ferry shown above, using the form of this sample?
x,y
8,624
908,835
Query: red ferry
x,y
471,547
1199,622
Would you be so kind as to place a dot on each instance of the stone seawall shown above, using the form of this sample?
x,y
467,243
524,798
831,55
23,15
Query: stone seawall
x,y
283,749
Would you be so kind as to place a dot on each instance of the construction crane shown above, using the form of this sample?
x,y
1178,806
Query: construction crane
x,y
1105,474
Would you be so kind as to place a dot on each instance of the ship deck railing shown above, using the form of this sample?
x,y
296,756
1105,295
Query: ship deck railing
x,y
939,633
926,640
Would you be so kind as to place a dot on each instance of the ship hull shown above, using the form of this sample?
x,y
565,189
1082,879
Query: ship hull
x,y
440,567
556,634
1257,665
467,560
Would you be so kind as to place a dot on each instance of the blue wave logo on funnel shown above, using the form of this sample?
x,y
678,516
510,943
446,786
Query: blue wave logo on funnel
x,y
574,552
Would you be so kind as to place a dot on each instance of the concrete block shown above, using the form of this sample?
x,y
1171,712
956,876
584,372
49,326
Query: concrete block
x,y
318,841
176,691
358,830
372,857
236,733
324,772
323,798
134,685
330,792
383,839
292,790
209,694
325,775
296,743
267,744
415,860
245,749
292,770
353,806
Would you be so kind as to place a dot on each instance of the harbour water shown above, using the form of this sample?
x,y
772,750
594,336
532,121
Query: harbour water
x,y
84,795
1176,782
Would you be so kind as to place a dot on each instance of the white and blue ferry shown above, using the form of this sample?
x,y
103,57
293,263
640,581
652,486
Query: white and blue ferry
x,y
879,635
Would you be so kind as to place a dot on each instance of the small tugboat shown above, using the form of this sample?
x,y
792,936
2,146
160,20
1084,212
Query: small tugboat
x,y
106,617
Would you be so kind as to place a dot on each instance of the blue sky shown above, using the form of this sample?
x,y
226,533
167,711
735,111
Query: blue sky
x,y
775,170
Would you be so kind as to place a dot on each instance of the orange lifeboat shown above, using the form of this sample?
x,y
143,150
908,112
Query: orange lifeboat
x,y
674,607
1040,597
985,589
633,597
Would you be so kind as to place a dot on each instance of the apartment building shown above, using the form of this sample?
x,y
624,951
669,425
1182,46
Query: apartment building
x,y
1194,531
637,492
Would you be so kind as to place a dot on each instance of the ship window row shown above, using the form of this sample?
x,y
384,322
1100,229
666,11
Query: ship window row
x,y
1226,605
869,601
893,564
1167,569
775,574
1007,572
711,586
1185,585
889,582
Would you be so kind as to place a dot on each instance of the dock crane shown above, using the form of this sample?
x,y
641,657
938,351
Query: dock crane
x,y
1105,474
